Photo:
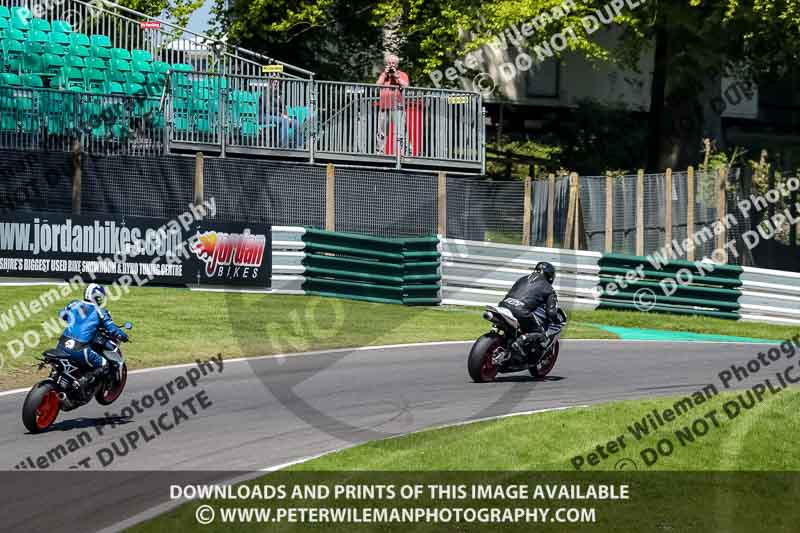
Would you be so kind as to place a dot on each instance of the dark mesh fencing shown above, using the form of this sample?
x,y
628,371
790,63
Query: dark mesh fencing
x,y
386,204
279,194
137,186
39,181
593,205
485,210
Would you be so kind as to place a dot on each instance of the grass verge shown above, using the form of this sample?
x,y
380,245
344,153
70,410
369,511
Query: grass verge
x,y
177,326
664,496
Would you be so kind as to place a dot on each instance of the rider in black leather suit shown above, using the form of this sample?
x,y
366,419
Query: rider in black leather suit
x,y
534,303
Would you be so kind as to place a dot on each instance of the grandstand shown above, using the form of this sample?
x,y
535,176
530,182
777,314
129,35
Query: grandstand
x,y
119,82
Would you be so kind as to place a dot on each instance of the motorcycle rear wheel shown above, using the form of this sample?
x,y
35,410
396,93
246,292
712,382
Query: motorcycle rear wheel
x,y
479,364
41,407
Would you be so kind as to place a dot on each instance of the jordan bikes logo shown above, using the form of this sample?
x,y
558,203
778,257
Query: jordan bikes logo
x,y
230,255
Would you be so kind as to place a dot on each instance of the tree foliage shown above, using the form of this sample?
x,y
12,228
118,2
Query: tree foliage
x,y
693,41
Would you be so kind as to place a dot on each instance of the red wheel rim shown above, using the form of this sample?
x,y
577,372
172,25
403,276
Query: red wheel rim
x,y
488,368
551,361
111,395
47,410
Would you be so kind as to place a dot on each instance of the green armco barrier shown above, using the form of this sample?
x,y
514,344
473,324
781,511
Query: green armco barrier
x,y
374,269
679,286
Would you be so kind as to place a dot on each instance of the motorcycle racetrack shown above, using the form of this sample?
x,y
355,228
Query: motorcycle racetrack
x,y
220,419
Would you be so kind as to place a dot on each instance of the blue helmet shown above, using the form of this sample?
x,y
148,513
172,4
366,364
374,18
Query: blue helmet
x,y
95,293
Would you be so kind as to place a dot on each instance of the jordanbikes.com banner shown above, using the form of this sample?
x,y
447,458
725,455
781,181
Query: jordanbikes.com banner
x,y
173,252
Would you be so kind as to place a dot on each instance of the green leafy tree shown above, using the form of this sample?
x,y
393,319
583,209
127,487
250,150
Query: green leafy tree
x,y
692,41
178,11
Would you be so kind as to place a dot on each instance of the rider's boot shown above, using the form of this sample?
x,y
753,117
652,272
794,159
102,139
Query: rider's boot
x,y
521,346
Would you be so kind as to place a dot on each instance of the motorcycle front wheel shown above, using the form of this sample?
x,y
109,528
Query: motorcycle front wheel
x,y
41,407
111,391
547,362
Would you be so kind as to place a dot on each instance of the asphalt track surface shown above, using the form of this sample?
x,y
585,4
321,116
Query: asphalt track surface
x,y
271,411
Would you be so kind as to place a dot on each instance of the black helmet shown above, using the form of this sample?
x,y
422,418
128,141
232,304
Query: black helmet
x,y
547,270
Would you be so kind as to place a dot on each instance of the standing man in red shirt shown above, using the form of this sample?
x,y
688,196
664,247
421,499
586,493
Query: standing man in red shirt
x,y
391,104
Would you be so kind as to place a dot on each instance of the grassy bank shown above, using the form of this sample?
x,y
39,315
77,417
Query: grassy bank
x,y
750,454
174,326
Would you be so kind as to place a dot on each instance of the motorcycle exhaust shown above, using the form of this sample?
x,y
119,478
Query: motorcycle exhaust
x,y
488,316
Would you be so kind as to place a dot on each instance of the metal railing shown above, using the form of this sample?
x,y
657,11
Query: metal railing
x,y
48,119
132,30
285,117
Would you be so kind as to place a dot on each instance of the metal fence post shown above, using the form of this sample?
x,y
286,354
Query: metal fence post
x,y
668,213
198,178
609,248
640,212
722,212
77,178
330,198
312,119
223,93
526,216
551,210
690,213
442,204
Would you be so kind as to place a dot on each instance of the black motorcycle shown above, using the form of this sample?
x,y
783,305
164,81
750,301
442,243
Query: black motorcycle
x,y
491,353
62,391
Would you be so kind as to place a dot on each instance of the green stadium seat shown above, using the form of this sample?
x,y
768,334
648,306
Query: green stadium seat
x,y
55,49
135,77
142,66
33,47
94,79
12,54
134,89
32,63
38,36
62,26
113,87
120,65
182,67
74,61
95,62
79,39
4,26
99,51
161,67
59,38
15,35
8,79
20,24
118,76
52,64
79,51
101,40
21,12
71,78
40,25
32,81
120,53
4,12
142,55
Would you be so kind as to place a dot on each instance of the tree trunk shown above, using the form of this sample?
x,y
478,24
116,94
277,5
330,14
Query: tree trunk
x,y
657,91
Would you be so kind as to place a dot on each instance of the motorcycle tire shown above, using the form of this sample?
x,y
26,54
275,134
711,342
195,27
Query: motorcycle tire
x,y
546,363
41,407
109,393
479,363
